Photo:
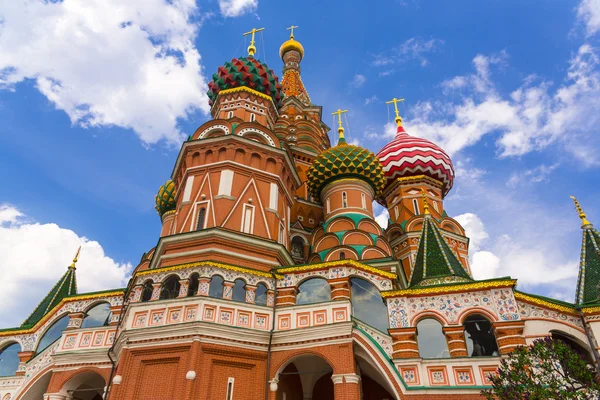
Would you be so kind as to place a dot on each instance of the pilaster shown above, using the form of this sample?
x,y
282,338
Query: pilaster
x,y
75,320
455,337
286,296
509,335
404,342
340,288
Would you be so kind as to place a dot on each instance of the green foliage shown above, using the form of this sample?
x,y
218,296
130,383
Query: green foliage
x,y
548,369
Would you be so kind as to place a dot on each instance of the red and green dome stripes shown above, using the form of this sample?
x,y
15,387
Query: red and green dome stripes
x,y
248,72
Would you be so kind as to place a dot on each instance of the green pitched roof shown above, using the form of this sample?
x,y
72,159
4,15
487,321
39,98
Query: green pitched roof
x,y
588,289
65,287
435,262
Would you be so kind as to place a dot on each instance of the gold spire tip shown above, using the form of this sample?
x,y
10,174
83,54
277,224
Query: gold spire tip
x,y
398,118
339,113
582,215
291,28
252,47
425,202
76,258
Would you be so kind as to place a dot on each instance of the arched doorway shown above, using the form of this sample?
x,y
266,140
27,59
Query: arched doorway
x,y
88,385
374,384
305,377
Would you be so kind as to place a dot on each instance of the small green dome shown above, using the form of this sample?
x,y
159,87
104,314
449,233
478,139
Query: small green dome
x,y
345,161
165,199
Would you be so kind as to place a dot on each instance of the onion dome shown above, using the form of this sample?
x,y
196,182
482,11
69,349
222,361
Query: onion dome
x,y
165,199
245,71
345,161
291,44
411,156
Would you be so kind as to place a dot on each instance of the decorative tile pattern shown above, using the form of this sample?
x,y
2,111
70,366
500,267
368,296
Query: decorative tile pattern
x,y
190,313
98,339
261,321
140,319
284,322
183,288
270,298
174,316
155,292
157,317
110,338
227,290
302,320
397,313
320,317
250,294
70,341
486,372
226,316
209,314
448,306
203,286
339,315
437,376
410,375
527,310
505,303
243,319
86,339
464,376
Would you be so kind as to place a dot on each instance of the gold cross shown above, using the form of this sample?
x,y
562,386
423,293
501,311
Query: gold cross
x,y
582,215
398,118
291,28
339,113
75,258
252,48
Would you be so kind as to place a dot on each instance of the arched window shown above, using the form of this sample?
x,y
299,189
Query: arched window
x,y
480,336
298,247
99,315
342,255
147,291
344,200
328,205
201,219
193,287
573,344
314,290
363,200
261,295
230,114
53,333
9,359
368,305
215,288
170,288
416,206
252,117
431,340
239,290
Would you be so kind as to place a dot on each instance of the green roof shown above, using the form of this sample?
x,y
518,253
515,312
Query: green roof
x,y
588,283
435,259
65,287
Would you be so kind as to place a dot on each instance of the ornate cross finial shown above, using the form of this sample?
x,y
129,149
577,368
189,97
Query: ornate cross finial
x,y
398,118
291,28
425,202
75,258
582,215
252,48
339,113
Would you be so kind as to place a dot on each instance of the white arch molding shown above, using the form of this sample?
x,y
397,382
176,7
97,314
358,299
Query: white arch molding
x,y
210,129
261,133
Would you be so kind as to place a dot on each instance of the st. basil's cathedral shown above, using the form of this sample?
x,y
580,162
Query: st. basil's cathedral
x,y
272,280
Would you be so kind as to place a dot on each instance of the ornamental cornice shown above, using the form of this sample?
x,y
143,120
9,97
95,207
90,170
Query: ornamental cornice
x,y
245,89
329,264
57,307
208,264
545,303
590,310
450,289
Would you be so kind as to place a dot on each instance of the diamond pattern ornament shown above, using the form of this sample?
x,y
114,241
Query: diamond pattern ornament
x,y
165,199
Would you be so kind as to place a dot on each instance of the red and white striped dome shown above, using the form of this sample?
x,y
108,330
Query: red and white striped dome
x,y
409,156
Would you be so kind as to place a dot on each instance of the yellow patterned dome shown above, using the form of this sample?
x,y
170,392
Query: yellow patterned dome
x,y
345,161
165,199
291,44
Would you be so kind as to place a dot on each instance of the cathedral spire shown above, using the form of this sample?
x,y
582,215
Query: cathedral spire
x,y
292,52
341,139
588,282
65,287
252,47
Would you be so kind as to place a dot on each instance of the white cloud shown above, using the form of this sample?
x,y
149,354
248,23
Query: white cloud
x,y
412,49
389,131
530,119
130,64
371,99
35,256
382,218
358,81
589,13
538,174
474,230
235,8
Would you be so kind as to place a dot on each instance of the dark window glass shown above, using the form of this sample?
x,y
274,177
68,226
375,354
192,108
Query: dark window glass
x,y
239,290
147,291
215,289
97,316
261,295
431,339
368,305
53,333
170,288
342,255
314,290
480,336
193,288
201,218
9,359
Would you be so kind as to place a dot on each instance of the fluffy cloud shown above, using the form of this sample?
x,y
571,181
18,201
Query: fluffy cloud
x,y
130,64
589,12
531,118
382,218
235,8
358,81
35,256
538,174
411,49
371,99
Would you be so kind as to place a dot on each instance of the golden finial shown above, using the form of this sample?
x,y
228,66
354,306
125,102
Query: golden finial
x,y
398,118
291,28
252,48
425,202
582,215
75,258
339,113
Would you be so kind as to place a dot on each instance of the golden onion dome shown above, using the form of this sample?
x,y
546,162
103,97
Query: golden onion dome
x,y
291,44
165,199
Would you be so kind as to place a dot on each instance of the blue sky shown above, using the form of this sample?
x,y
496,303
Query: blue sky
x,y
96,97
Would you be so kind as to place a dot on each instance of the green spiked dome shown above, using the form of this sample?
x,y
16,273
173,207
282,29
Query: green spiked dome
x,y
345,161
245,71
165,199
